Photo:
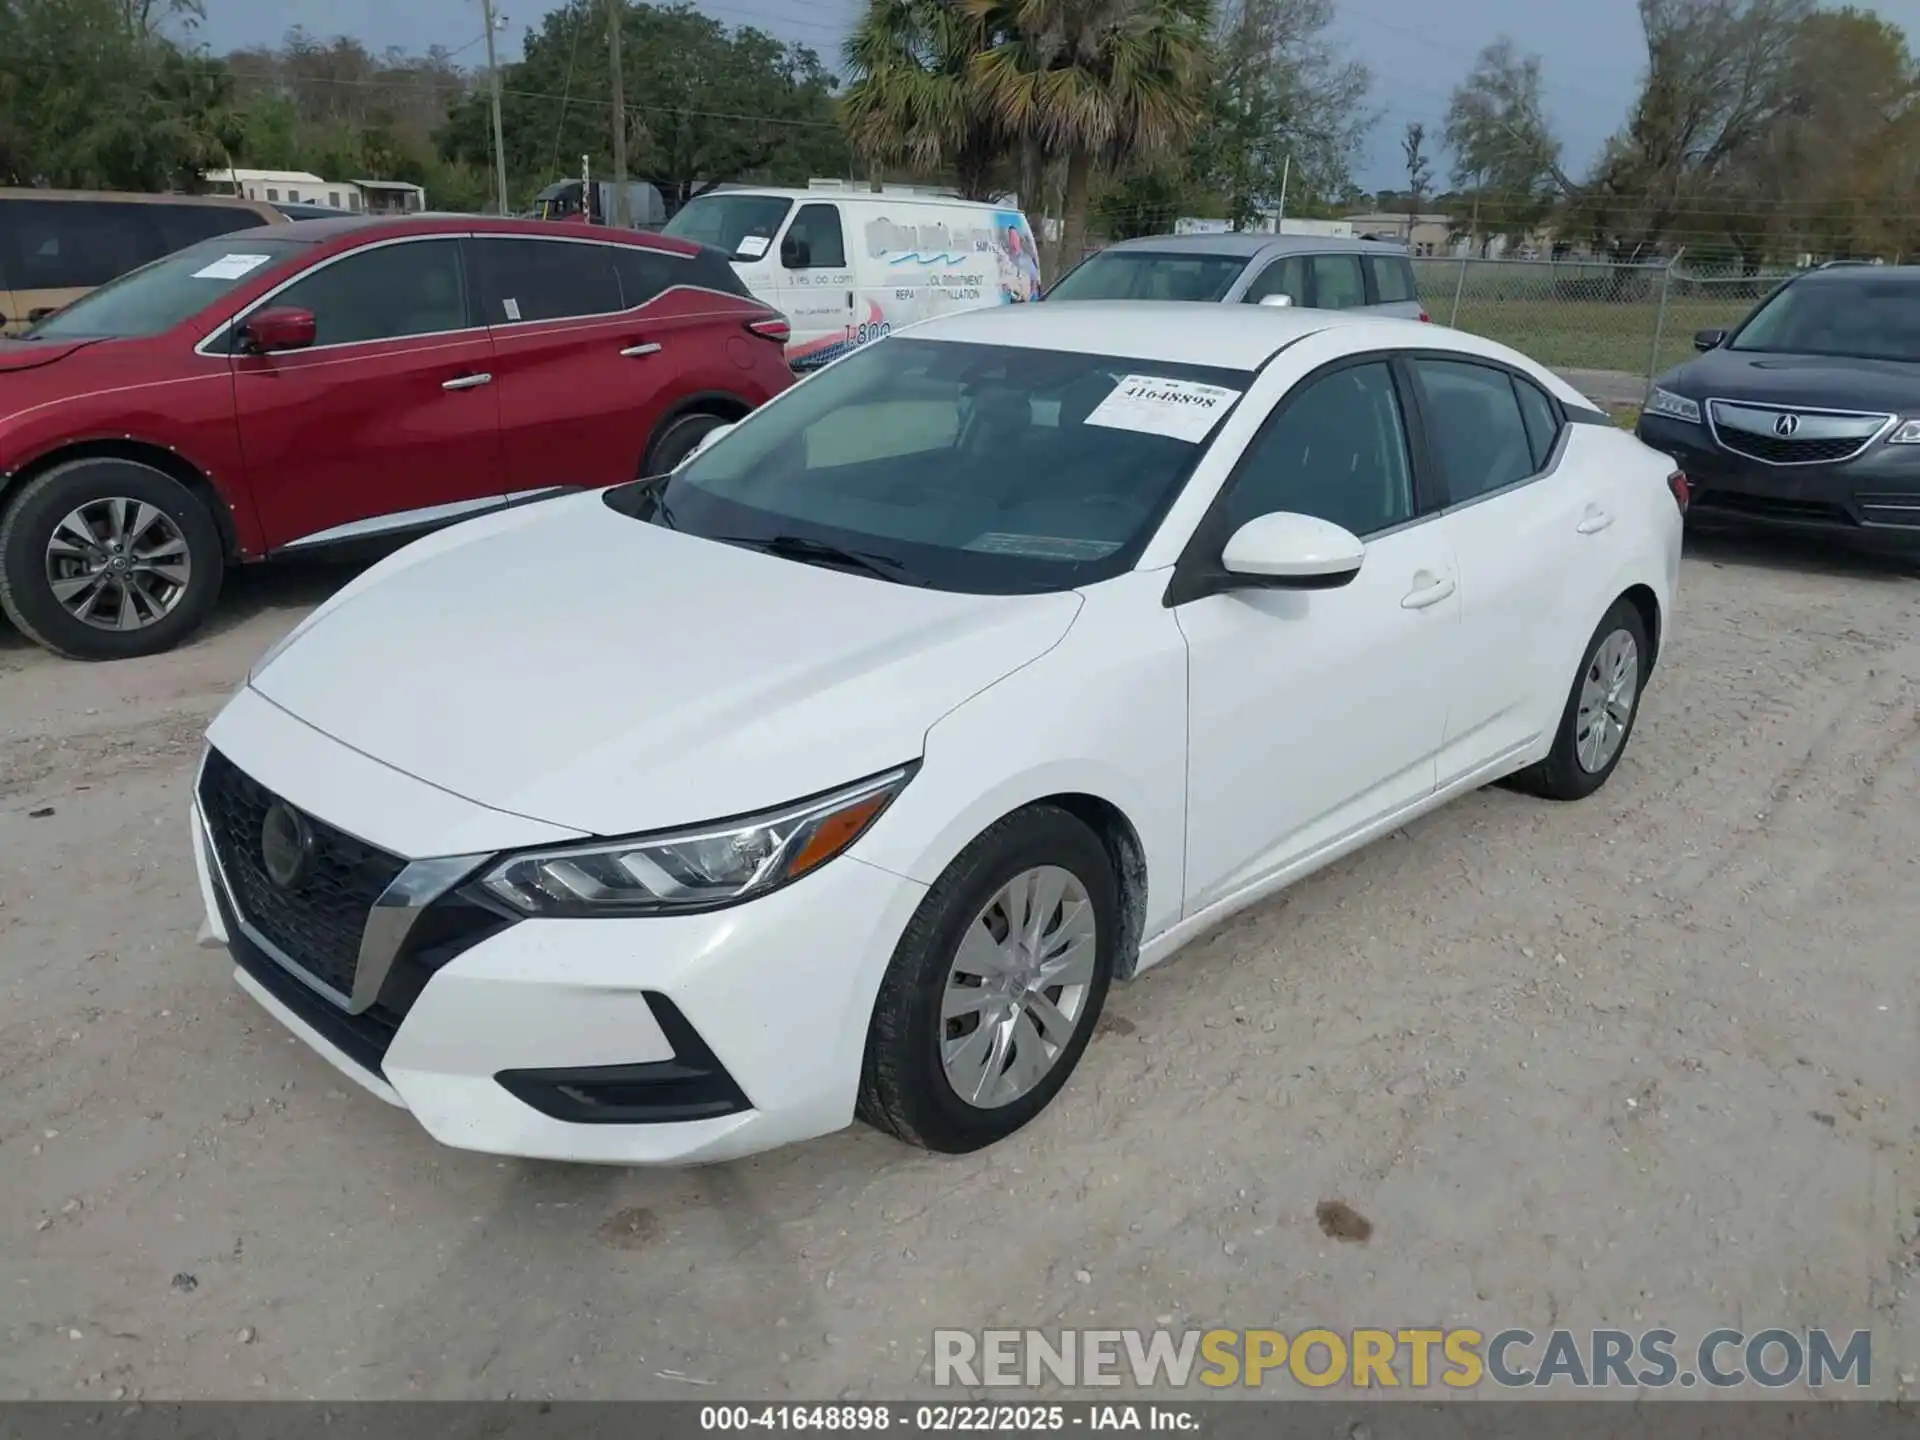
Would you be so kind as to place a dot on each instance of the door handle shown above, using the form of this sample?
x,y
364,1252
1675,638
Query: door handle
x,y
1432,592
468,382
1594,521
634,352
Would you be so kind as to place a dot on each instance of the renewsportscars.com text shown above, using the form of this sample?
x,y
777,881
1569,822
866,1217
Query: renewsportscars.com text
x,y
1370,1359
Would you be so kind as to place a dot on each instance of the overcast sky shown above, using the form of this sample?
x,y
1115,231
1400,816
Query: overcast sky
x,y
1418,49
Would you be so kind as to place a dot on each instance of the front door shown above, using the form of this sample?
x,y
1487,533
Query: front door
x,y
391,419
817,287
1313,713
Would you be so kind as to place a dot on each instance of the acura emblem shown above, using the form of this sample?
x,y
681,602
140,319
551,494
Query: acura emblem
x,y
286,846
1785,425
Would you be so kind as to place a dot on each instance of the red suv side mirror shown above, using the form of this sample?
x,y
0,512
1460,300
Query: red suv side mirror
x,y
277,328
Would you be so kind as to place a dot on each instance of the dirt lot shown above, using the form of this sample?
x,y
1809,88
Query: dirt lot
x,y
1650,1059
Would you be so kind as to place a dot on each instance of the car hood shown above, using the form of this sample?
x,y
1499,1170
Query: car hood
x,y
1814,382
576,666
32,354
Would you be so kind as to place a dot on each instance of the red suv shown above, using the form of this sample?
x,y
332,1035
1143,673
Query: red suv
x,y
331,382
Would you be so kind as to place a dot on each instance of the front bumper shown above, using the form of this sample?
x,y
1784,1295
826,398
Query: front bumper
x,y
1873,500
650,1041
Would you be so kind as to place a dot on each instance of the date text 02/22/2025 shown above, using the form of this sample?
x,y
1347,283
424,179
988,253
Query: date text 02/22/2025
x,y
937,1419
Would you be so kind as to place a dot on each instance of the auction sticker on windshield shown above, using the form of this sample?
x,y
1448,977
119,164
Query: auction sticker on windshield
x,y
753,246
1183,409
230,267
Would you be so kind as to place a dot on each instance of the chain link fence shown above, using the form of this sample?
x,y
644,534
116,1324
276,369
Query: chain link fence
x,y
1617,325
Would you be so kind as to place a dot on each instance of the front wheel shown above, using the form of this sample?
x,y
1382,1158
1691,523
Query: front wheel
x,y
673,444
105,559
1600,711
995,987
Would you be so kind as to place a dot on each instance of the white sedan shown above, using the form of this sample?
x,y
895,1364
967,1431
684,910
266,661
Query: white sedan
x,y
841,772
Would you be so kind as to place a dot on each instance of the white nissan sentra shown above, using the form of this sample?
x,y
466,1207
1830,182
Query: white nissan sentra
x,y
841,772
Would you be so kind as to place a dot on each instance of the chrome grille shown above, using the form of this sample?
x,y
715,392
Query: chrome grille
x,y
1779,435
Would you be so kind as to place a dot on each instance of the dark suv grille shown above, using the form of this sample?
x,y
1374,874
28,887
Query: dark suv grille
x,y
1788,452
318,923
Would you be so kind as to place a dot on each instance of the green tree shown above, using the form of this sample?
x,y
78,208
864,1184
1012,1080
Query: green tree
x,y
705,104
912,98
1095,83
1506,161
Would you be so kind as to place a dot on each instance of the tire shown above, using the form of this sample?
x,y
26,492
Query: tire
x,y
1569,772
906,1088
676,441
168,525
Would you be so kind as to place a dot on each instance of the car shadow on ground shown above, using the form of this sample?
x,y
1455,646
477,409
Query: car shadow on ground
x,y
1762,551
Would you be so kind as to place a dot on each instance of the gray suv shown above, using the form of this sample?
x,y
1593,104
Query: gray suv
x,y
1309,270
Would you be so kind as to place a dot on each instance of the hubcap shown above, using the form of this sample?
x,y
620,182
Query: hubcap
x,y
1606,702
118,564
1017,989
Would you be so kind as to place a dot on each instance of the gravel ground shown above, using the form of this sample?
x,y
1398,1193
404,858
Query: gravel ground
x,y
1649,1059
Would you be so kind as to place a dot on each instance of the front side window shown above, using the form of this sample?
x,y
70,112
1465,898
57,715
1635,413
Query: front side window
x,y
161,295
527,280
977,468
1337,451
1336,282
814,240
1474,423
386,292
1150,275
1286,276
1826,316
741,225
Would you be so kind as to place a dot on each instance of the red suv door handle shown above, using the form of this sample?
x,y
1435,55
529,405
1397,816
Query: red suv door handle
x,y
468,382
635,352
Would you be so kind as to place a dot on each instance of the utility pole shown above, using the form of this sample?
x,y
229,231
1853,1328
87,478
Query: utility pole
x,y
616,17
493,81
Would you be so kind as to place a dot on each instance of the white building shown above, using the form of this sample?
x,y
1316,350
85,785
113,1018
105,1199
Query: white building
x,y
292,187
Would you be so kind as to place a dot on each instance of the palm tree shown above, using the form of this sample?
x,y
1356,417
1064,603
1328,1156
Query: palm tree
x,y
1096,82
913,99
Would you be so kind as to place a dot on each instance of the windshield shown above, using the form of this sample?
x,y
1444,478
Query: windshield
x,y
1877,321
978,468
1147,275
741,225
159,296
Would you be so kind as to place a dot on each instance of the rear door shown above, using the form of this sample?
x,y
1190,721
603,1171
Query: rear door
x,y
391,419
816,285
584,378
1522,528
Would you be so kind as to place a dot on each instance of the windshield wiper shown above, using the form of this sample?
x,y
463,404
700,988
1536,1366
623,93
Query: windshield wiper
x,y
822,552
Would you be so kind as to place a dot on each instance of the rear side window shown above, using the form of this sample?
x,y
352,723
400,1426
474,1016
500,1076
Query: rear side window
x,y
1473,420
644,274
1542,420
1287,277
1336,282
528,280
1392,279
76,244
710,270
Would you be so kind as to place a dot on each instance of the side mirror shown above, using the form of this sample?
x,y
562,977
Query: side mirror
x,y
41,312
279,327
1276,300
1293,552
795,253
1709,339
706,440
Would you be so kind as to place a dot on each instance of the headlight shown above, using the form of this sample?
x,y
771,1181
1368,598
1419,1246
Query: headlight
x,y
701,868
1675,407
1907,434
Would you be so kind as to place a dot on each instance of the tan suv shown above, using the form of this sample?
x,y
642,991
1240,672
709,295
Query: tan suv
x,y
55,245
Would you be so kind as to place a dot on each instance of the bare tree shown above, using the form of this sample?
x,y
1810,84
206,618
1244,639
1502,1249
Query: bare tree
x,y
1413,149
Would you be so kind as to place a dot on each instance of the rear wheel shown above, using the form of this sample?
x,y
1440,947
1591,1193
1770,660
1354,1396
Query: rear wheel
x,y
1600,711
674,443
105,559
995,987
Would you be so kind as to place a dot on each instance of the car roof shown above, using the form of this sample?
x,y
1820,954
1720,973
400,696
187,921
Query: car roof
x,y
865,197
361,228
1230,337
1248,246
1859,273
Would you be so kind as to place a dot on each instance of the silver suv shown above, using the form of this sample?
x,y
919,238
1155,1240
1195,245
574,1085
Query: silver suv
x,y
1309,270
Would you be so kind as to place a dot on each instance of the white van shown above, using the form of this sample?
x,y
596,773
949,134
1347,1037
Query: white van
x,y
846,267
